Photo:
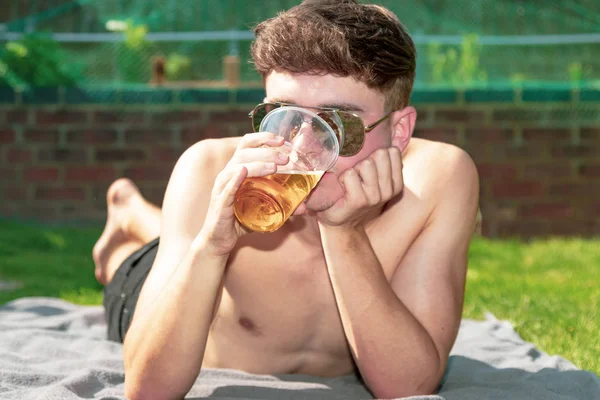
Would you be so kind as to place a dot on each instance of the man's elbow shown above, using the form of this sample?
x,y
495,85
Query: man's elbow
x,y
394,390
136,390
424,383
142,382
148,378
133,392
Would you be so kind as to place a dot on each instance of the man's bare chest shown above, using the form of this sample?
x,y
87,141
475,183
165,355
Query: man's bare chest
x,y
283,278
288,284
278,305
289,268
278,299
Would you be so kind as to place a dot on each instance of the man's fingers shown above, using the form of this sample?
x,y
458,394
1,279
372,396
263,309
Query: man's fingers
x,y
258,139
384,173
233,185
264,154
367,172
222,179
260,153
253,169
355,194
396,168
259,168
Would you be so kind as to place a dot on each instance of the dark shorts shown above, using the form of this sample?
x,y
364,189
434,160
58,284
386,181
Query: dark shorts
x,y
122,292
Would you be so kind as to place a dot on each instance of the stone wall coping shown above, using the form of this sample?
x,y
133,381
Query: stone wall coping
x,y
147,95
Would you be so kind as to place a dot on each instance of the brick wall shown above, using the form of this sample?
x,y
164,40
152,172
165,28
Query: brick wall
x,y
538,152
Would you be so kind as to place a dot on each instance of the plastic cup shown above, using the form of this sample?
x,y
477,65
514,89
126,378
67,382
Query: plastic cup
x,y
264,204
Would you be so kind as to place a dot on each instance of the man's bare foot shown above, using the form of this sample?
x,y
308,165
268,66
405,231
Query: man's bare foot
x,y
117,242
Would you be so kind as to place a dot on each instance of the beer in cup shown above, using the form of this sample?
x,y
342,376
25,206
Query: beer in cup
x,y
263,204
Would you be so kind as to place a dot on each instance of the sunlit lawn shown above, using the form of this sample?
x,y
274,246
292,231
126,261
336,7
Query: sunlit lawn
x,y
49,262
548,289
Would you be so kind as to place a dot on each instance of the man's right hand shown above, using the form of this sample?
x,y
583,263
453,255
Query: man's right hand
x,y
256,155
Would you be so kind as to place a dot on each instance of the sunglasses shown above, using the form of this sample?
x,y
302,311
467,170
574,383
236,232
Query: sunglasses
x,y
348,127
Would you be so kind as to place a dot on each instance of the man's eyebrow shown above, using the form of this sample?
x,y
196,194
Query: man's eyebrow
x,y
277,100
338,106
343,106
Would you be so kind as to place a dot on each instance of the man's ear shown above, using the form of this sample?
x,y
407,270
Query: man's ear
x,y
403,125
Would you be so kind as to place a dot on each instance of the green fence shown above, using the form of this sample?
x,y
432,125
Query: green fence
x,y
460,43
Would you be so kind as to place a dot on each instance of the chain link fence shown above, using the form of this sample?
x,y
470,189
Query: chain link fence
x,y
204,42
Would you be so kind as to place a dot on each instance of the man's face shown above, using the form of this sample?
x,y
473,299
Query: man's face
x,y
345,94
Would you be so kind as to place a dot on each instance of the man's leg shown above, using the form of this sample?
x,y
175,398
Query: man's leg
x,y
132,221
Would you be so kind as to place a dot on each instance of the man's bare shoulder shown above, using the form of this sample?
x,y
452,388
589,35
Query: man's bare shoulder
x,y
437,176
189,188
445,177
204,160
430,166
215,152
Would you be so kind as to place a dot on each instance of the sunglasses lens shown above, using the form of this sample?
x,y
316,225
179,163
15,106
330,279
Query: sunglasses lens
x,y
351,133
354,133
259,114
329,118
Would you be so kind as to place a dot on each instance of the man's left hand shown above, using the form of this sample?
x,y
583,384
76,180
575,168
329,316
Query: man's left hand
x,y
369,184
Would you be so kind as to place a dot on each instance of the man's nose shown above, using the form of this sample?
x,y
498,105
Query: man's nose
x,y
306,139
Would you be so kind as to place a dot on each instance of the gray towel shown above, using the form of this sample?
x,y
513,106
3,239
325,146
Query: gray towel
x,y
52,349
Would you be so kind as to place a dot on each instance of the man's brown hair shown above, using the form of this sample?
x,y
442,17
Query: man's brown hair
x,y
343,38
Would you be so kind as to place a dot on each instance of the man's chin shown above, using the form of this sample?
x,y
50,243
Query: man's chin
x,y
318,201
317,208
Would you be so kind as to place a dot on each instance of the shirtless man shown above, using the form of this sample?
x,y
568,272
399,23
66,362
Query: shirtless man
x,y
368,276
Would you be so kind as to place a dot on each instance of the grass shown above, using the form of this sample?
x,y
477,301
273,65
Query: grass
x,y
548,289
49,262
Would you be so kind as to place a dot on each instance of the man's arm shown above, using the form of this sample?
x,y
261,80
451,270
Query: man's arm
x,y
401,332
164,347
162,354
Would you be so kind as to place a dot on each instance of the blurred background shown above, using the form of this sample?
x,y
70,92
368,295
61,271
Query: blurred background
x,y
94,90
487,42
91,90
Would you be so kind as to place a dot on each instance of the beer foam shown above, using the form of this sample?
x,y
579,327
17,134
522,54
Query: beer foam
x,y
296,172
